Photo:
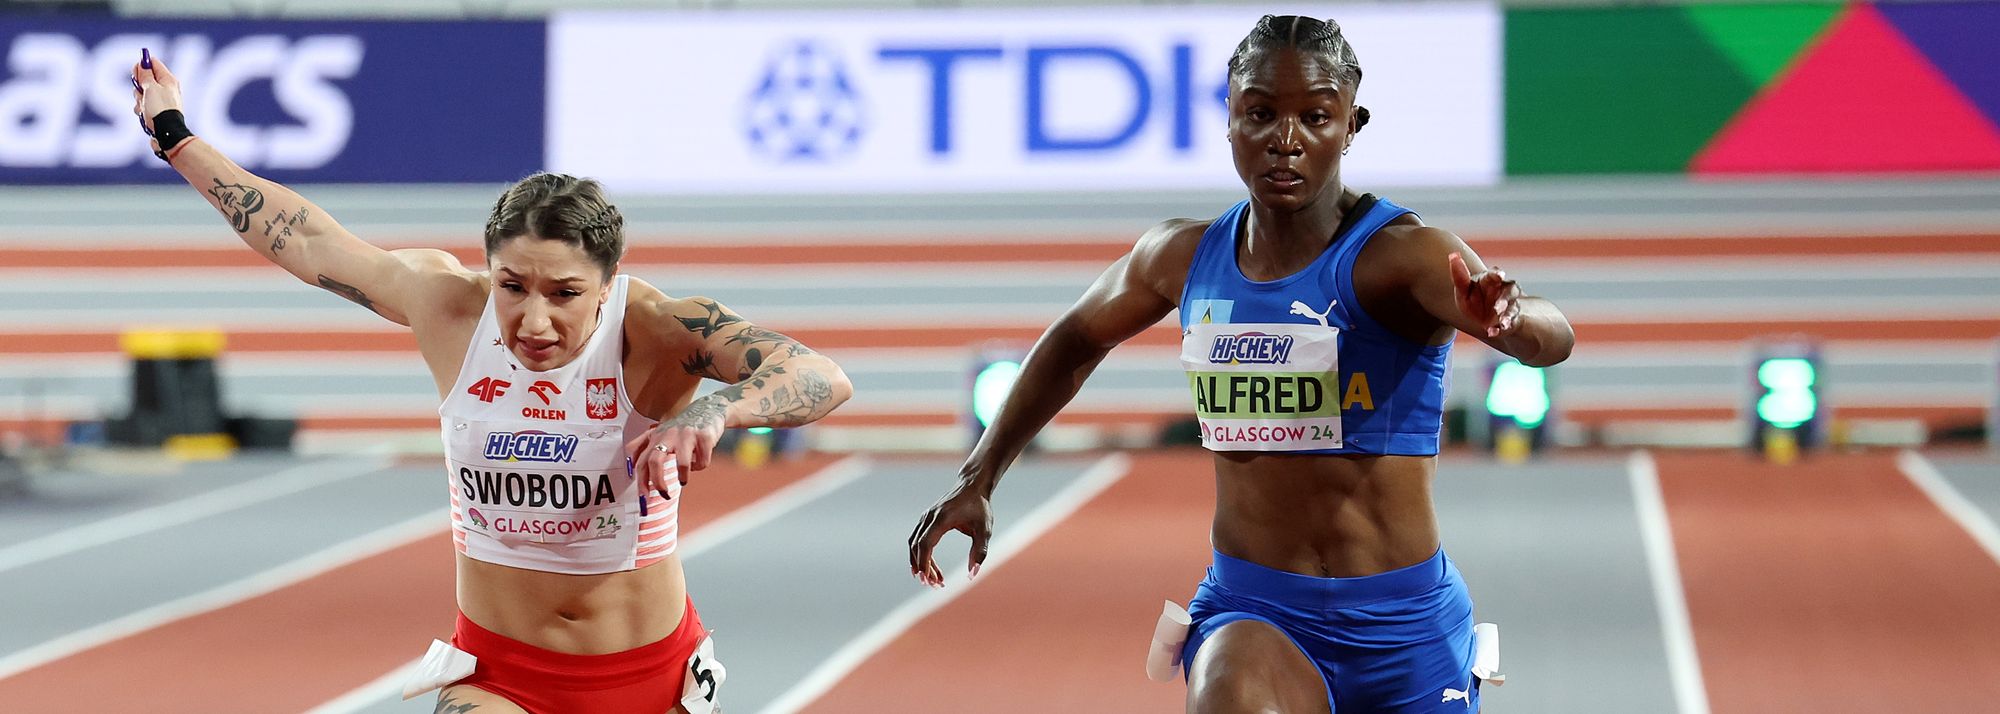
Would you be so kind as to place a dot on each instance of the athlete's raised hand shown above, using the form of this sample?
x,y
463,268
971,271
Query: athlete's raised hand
x,y
1489,298
154,90
964,510
677,446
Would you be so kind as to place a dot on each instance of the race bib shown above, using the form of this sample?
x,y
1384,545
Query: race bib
x,y
547,484
702,682
1264,386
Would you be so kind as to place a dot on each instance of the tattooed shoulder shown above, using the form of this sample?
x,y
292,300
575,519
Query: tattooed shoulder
x,y
715,318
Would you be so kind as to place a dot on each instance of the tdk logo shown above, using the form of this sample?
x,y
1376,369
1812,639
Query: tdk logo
x,y
66,105
1041,64
1251,348
806,106
807,103
530,446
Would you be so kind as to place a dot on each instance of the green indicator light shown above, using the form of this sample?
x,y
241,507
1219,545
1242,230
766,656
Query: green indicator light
x,y
990,388
1520,392
1788,399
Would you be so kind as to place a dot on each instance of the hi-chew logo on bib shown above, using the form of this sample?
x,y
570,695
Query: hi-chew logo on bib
x,y
1251,348
1264,386
530,446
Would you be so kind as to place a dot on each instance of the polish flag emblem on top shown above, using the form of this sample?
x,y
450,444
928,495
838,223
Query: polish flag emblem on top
x,y
600,398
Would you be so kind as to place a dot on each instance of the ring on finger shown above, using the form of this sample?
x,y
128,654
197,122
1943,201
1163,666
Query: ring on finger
x,y
662,448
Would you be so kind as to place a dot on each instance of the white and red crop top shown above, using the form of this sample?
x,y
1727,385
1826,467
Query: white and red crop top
x,y
536,460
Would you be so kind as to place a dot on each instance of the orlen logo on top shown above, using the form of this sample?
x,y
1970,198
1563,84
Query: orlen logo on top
x,y
67,104
1251,348
530,446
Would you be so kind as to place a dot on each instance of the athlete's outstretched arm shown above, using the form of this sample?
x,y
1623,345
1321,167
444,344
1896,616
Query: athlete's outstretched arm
x,y
1130,296
1455,286
774,380
283,226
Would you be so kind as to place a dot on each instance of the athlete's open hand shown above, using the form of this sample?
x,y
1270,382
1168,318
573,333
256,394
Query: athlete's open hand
x,y
963,510
1489,298
687,440
154,90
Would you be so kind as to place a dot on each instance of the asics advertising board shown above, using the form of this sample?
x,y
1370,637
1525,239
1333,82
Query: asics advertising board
x,y
292,101
1056,99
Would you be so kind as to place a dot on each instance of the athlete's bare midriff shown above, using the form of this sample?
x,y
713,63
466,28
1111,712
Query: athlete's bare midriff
x,y
574,614
1325,516
577,614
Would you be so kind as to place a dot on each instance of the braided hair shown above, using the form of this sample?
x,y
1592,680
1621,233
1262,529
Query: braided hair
x,y
560,207
1321,38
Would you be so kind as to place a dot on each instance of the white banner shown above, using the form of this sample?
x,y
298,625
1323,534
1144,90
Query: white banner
x,y
1056,99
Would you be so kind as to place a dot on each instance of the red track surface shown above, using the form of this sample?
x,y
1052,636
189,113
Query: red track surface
x,y
338,630
1063,627
1830,586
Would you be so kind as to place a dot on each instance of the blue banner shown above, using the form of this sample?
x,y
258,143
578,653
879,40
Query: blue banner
x,y
293,101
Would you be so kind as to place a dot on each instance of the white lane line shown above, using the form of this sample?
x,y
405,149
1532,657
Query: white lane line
x,y
1058,507
1683,664
743,520
388,687
370,544
777,503
1953,502
166,515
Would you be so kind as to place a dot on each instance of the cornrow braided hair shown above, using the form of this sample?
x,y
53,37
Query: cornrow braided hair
x,y
607,219
564,208
1307,35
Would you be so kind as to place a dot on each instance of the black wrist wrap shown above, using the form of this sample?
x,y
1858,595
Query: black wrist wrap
x,y
170,129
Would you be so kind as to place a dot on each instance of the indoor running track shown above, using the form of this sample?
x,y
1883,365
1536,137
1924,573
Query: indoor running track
x,y
1676,581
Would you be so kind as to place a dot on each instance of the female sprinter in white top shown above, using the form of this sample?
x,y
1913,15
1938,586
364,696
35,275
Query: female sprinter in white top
x,y
568,417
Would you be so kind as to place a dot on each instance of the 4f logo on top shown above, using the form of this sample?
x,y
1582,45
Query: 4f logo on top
x,y
600,398
488,388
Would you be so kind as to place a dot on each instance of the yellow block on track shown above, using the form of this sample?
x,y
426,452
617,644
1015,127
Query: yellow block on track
x,y
199,447
171,344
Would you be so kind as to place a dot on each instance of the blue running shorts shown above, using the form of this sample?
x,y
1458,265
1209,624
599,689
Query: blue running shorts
x,y
1399,641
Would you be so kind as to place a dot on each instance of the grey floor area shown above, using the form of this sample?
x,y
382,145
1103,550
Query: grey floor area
x,y
1552,552
1976,476
272,512
1553,555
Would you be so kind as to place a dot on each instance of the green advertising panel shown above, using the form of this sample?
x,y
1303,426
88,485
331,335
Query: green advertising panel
x,y
1639,90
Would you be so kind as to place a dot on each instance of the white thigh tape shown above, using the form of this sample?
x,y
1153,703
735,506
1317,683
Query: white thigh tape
x,y
1486,653
1169,634
441,665
702,682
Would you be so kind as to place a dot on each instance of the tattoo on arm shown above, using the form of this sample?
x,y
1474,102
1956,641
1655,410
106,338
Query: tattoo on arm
x,y
798,402
755,336
237,203
702,364
716,319
707,409
760,346
447,705
283,225
353,294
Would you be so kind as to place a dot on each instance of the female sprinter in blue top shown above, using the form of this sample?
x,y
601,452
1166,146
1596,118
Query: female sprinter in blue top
x,y
1316,323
